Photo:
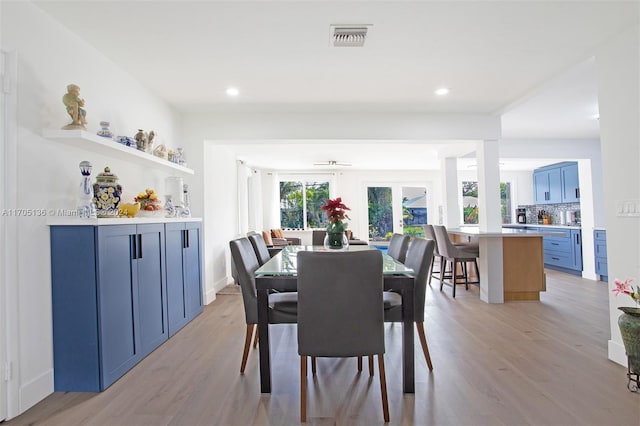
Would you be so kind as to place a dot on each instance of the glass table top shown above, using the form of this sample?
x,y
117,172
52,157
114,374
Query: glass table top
x,y
285,262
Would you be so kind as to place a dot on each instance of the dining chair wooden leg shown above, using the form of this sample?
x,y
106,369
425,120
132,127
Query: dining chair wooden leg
x,y
247,345
423,342
371,365
443,266
313,365
359,363
475,262
383,388
255,339
303,389
466,275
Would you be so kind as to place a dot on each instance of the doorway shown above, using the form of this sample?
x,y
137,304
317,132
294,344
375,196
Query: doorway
x,y
396,208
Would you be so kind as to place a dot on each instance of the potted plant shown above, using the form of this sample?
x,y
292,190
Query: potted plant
x,y
336,215
629,323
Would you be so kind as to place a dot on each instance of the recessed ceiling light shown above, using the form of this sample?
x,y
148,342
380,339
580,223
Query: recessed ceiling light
x,y
232,91
442,91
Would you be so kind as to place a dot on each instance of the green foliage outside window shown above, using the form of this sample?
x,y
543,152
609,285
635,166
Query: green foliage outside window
x,y
292,204
380,213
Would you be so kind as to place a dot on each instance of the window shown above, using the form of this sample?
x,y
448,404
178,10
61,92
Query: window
x,y
301,204
470,202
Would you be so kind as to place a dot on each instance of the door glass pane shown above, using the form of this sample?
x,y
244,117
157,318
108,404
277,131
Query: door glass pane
x,y
379,200
291,205
317,194
414,211
470,202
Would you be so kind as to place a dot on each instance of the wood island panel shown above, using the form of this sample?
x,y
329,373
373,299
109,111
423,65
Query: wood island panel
x,y
523,268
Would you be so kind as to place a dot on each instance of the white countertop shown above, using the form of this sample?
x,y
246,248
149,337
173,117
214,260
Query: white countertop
x,y
505,232
74,221
518,225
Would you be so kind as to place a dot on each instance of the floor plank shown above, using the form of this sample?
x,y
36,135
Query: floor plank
x,y
521,363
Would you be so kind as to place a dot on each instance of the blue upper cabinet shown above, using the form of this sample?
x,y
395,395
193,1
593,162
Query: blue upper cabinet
x,y
557,183
570,184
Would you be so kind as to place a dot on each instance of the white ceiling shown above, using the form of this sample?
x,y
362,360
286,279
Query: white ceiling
x,y
528,61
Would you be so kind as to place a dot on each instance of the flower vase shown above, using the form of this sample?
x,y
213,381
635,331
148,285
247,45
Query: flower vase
x,y
336,240
629,323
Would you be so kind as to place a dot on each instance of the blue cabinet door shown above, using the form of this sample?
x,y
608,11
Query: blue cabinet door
x,y
540,187
176,301
151,290
570,184
576,240
555,186
184,285
192,270
117,299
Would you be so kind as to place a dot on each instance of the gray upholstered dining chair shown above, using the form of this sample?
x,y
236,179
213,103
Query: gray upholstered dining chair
x,y
283,307
398,247
340,311
260,248
456,255
419,257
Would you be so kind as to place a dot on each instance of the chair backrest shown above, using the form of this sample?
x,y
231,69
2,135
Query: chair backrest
x,y
419,259
317,237
398,247
246,262
430,234
340,308
445,246
260,248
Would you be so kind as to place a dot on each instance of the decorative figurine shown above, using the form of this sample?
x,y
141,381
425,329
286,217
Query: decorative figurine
x,y
150,138
86,207
160,151
141,140
170,210
75,108
106,194
104,131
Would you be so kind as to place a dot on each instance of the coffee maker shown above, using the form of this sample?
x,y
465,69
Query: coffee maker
x,y
521,215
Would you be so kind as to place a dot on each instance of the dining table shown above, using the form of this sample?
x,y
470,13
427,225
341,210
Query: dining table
x,y
280,274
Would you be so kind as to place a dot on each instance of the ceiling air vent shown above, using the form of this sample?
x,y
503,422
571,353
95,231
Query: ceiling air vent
x,y
348,35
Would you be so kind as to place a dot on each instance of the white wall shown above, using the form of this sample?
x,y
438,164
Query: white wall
x,y
49,58
619,105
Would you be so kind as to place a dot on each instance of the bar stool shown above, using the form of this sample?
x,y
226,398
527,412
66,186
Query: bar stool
x,y
456,255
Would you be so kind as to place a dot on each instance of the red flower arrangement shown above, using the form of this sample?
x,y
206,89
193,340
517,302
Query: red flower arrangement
x,y
336,213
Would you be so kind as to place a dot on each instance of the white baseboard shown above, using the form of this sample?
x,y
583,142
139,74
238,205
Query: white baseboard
x,y
617,353
590,276
36,390
217,286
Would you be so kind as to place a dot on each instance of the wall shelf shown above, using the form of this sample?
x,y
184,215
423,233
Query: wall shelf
x,y
85,140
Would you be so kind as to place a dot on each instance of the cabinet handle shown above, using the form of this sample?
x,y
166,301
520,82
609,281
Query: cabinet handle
x,y
186,233
555,244
555,258
577,238
577,192
134,247
139,246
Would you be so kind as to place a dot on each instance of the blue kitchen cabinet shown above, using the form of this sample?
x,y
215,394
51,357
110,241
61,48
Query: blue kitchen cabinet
x,y
563,251
570,184
547,184
184,285
556,183
600,252
109,301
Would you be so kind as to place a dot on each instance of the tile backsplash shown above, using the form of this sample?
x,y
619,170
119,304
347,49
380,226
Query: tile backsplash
x,y
554,210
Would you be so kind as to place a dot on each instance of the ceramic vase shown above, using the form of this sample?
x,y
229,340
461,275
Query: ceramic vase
x,y
106,194
629,323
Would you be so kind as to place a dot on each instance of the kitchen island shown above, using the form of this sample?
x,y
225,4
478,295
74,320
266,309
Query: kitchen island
x,y
511,262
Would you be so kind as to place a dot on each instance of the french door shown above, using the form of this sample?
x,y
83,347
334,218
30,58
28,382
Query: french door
x,y
396,208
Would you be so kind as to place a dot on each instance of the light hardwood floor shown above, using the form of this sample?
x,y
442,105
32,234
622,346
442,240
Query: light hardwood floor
x,y
521,363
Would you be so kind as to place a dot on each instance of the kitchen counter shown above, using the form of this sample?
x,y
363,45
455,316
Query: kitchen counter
x,y
511,262
518,225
